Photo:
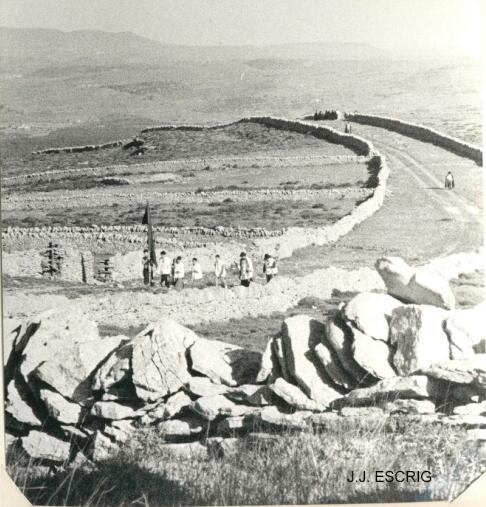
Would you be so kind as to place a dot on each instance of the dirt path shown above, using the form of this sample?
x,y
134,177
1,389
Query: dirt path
x,y
420,220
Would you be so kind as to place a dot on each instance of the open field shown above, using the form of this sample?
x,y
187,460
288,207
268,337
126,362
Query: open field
x,y
234,140
268,214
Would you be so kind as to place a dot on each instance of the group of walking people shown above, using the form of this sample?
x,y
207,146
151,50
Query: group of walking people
x,y
172,272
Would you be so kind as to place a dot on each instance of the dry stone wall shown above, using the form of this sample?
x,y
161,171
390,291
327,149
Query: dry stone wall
x,y
81,149
192,164
75,198
378,361
421,133
293,238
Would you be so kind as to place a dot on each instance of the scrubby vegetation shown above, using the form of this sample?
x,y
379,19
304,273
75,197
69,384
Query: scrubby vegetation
x,y
310,467
271,214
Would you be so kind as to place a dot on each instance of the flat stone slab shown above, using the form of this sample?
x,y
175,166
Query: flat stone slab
x,y
112,410
40,445
413,387
179,428
59,408
461,371
212,407
294,396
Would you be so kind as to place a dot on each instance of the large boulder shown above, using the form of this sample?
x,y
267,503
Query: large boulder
x,y
418,335
225,363
159,364
40,445
391,389
370,313
340,337
64,351
300,335
293,396
374,356
466,330
60,408
416,286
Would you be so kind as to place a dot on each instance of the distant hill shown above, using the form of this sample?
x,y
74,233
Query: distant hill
x,y
37,47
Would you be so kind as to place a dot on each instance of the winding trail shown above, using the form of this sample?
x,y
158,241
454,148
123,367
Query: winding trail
x,y
419,220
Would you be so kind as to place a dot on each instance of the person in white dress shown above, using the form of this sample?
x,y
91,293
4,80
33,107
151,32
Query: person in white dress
x,y
165,267
196,272
178,269
219,271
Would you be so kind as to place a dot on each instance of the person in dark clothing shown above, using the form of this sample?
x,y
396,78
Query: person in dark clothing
x,y
245,270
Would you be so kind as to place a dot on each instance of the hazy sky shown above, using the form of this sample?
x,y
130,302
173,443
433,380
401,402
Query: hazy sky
x,y
390,24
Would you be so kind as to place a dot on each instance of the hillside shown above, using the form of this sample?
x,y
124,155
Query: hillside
x,y
70,88
35,48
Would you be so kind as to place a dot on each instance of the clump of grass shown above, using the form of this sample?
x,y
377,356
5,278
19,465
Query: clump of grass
x,y
310,467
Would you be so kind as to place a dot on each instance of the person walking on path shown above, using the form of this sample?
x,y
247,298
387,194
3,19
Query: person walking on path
x,y
164,269
246,273
269,267
196,272
449,181
219,272
178,268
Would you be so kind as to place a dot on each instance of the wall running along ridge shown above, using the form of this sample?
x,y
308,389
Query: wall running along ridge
x,y
128,266
80,149
422,133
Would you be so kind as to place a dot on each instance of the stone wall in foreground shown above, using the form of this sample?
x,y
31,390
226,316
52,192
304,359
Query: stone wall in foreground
x,y
422,133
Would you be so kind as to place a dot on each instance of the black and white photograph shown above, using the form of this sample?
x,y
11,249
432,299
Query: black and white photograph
x,y
242,251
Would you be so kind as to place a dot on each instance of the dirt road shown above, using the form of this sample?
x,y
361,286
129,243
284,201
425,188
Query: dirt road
x,y
420,219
